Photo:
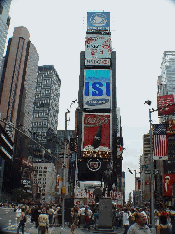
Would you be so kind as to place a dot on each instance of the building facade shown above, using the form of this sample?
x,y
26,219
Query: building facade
x,y
4,25
45,178
46,109
17,91
97,127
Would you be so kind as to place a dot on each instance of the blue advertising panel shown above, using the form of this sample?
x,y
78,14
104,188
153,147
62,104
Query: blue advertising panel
x,y
97,89
98,21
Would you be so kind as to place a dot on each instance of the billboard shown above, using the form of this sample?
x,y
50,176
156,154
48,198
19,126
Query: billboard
x,y
96,133
170,128
169,180
98,21
162,102
97,62
98,46
97,89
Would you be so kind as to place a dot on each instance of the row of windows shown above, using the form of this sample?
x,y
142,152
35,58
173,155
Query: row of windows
x,y
40,167
44,123
39,182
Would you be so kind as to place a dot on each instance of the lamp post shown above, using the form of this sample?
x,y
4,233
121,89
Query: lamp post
x,y
153,230
64,165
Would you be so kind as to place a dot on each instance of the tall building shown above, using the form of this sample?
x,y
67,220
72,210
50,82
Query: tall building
x,y
4,25
45,178
166,81
17,91
46,109
97,118
18,80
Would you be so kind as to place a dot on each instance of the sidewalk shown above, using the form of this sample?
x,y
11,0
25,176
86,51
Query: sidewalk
x,y
57,230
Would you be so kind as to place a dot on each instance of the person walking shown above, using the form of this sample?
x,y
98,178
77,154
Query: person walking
x,y
126,220
43,222
139,227
22,222
164,227
18,214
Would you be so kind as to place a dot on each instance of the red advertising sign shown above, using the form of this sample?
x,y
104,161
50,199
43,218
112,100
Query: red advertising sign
x,y
96,134
147,182
170,128
163,101
169,179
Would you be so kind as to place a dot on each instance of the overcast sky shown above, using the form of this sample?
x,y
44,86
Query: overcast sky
x,y
141,32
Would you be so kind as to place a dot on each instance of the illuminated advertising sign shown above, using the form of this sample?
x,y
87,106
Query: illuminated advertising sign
x,y
98,46
97,62
98,21
170,131
166,103
169,180
97,89
96,135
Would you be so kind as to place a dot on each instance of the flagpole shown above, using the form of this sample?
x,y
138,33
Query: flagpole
x,y
152,177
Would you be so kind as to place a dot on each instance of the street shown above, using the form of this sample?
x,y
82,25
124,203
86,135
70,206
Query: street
x,y
8,224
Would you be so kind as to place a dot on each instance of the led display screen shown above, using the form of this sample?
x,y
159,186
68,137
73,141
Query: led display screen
x,y
97,89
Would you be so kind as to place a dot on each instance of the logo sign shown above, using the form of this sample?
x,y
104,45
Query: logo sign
x,y
98,46
97,89
94,165
96,133
98,21
97,62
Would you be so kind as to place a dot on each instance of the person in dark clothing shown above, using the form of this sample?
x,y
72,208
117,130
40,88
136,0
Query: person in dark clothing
x,y
36,215
163,227
22,222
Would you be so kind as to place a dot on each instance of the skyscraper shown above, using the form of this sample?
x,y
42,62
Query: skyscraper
x,y
17,90
4,25
46,107
18,80
166,81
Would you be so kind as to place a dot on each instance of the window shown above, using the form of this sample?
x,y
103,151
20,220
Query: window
x,y
45,167
1,8
40,174
40,171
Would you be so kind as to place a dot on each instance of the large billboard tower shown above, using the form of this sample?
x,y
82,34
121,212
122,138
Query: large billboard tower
x,y
97,118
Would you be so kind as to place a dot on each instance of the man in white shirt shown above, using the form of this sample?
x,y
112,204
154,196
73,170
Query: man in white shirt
x,y
18,214
126,220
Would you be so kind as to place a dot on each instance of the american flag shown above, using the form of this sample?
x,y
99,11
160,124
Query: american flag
x,y
160,151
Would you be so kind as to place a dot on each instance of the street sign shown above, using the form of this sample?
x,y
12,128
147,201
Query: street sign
x,y
147,172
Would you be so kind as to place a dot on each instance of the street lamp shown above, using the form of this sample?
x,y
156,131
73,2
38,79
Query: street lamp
x,y
64,165
152,171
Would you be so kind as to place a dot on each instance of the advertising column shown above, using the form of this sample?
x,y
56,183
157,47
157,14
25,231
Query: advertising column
x,y
96,100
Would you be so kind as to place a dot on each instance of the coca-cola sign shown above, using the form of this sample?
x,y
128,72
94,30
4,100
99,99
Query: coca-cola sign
x,y
96,120
96,134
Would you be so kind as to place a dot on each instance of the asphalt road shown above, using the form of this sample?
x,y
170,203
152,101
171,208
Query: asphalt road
x,y
8,224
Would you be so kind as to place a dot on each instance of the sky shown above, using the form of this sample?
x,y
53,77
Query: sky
x,y
140,31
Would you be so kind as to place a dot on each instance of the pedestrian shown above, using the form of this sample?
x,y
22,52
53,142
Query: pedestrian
x,y
139,227
22,222
18,214
95,218
50,213
43,222
75,219
164,227
126,220
36,215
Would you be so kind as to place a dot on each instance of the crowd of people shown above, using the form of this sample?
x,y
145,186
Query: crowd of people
x,y
130,220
